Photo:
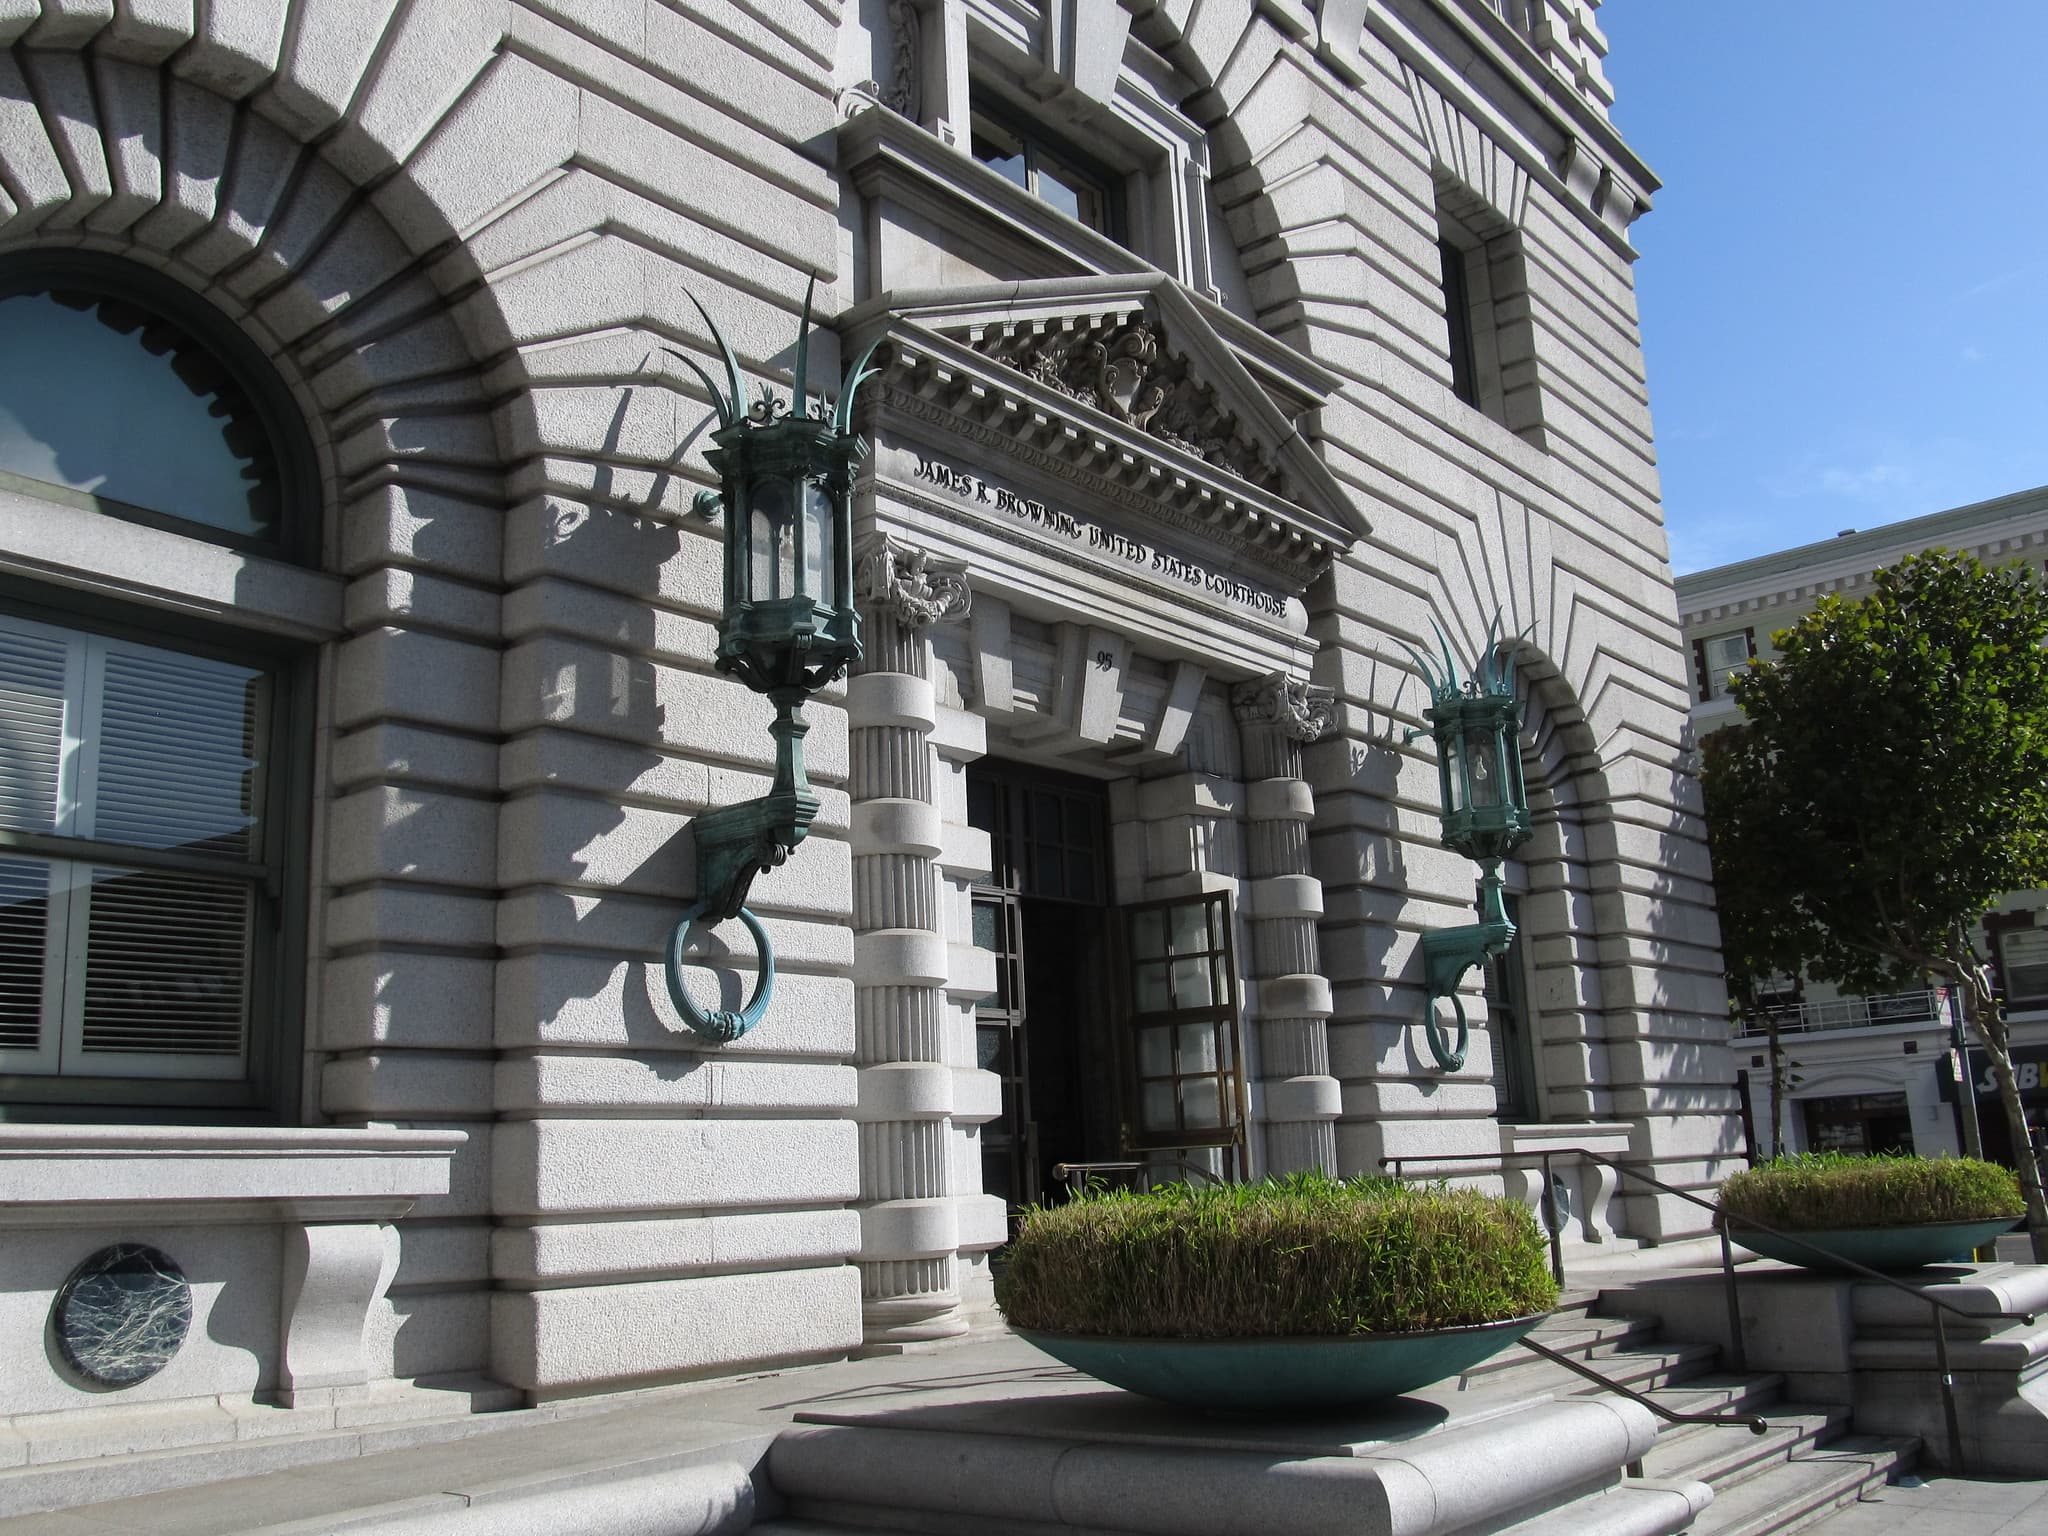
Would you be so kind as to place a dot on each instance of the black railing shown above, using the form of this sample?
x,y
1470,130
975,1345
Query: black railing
x,y
1753,1422
1722,1222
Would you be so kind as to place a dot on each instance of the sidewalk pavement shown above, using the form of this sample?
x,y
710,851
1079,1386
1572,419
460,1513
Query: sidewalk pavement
x,y
1946,1506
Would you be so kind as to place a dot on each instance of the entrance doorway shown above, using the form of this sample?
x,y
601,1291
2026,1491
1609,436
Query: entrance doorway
x,y
1859,1123
1048,1028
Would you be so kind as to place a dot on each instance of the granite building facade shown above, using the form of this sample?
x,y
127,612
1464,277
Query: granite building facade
x,y
1227,346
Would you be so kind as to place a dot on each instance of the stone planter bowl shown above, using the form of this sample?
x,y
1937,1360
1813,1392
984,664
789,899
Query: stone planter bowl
x,y
1281,1374
1882,1248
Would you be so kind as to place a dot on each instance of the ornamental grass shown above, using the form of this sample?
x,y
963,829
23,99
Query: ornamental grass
x,y
1834,1191
1306,1255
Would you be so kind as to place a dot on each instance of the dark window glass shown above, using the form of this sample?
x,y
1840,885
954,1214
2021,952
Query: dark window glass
x,y
1002,152
100,395
2023,962
1458,313
1057,177
1859,1123
1183,1015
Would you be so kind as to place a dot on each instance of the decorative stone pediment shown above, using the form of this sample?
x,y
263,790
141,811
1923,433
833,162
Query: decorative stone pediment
x,y
1127,367
1166,408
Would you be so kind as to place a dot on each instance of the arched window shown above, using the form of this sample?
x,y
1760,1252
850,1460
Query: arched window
x,y
151,765
121,387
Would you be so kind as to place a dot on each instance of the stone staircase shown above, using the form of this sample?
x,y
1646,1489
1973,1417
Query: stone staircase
x,y
1518,1446
1805,1467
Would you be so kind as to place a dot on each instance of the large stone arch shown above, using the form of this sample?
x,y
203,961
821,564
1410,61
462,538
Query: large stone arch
x,y
464,232
309,185
1567,793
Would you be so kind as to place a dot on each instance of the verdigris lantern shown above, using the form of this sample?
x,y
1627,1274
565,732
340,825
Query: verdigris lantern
x,y
789,627
1477,723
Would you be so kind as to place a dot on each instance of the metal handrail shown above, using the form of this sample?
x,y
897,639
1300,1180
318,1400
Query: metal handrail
x,y
1722,1222
1754,1422
1067,1173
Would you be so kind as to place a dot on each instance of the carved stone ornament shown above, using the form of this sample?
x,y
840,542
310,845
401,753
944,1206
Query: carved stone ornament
x,y
1131,372
1298,709
908,584
901,93
862,96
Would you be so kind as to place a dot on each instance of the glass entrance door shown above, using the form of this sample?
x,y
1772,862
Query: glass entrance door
x,y
1043,915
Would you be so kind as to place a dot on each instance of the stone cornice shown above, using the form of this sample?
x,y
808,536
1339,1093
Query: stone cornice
x,y
1995,531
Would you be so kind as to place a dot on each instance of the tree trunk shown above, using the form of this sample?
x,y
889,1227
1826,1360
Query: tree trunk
x,y
1991,1029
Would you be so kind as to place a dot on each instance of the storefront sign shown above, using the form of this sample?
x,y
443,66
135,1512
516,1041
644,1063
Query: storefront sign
x,y
2029,1070
1092,535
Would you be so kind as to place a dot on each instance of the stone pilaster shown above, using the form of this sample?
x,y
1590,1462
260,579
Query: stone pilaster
x,y
1276,717
909,1223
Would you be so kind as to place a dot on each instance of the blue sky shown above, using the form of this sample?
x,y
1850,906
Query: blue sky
x,y
1844,282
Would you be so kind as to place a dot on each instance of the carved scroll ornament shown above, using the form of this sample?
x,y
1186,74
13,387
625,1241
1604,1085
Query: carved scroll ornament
x,y
1295,708
909,584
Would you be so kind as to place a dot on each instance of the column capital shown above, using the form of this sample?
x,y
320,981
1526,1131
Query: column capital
x,y
908,584
1297,709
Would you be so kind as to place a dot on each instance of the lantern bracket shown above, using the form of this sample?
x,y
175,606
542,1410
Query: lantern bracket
x,y
1476,721
734,844
721,1024
1448,953
776,459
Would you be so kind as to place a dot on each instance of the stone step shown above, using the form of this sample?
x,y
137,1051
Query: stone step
x,y
1638,1507
1577,1335
1718,1392
1640,1366
386,1477
1724,1456
1811,1485
158,1450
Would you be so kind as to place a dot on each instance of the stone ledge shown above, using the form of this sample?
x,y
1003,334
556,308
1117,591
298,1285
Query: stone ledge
x,y
89,1175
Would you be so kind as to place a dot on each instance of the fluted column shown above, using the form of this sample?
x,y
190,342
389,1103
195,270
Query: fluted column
x,y
1276,716
909,1223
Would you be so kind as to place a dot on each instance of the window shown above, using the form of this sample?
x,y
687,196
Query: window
x,y
1490,340
1716,657
151,781
2022,962
1190,1082
1458,316
1050,173
137,855
1048,840
1001,1047
109,399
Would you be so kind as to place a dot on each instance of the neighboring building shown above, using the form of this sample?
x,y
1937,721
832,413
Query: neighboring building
x,y
1867,1073
356,633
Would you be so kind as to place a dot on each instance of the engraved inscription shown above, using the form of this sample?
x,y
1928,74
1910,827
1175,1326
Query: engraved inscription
x,y
1066,525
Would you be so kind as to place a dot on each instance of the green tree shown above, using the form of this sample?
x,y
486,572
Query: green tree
x,y
1888,785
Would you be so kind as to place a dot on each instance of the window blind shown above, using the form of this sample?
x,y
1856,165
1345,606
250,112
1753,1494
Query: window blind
x,y
25,933
109,969
170,763
33,689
